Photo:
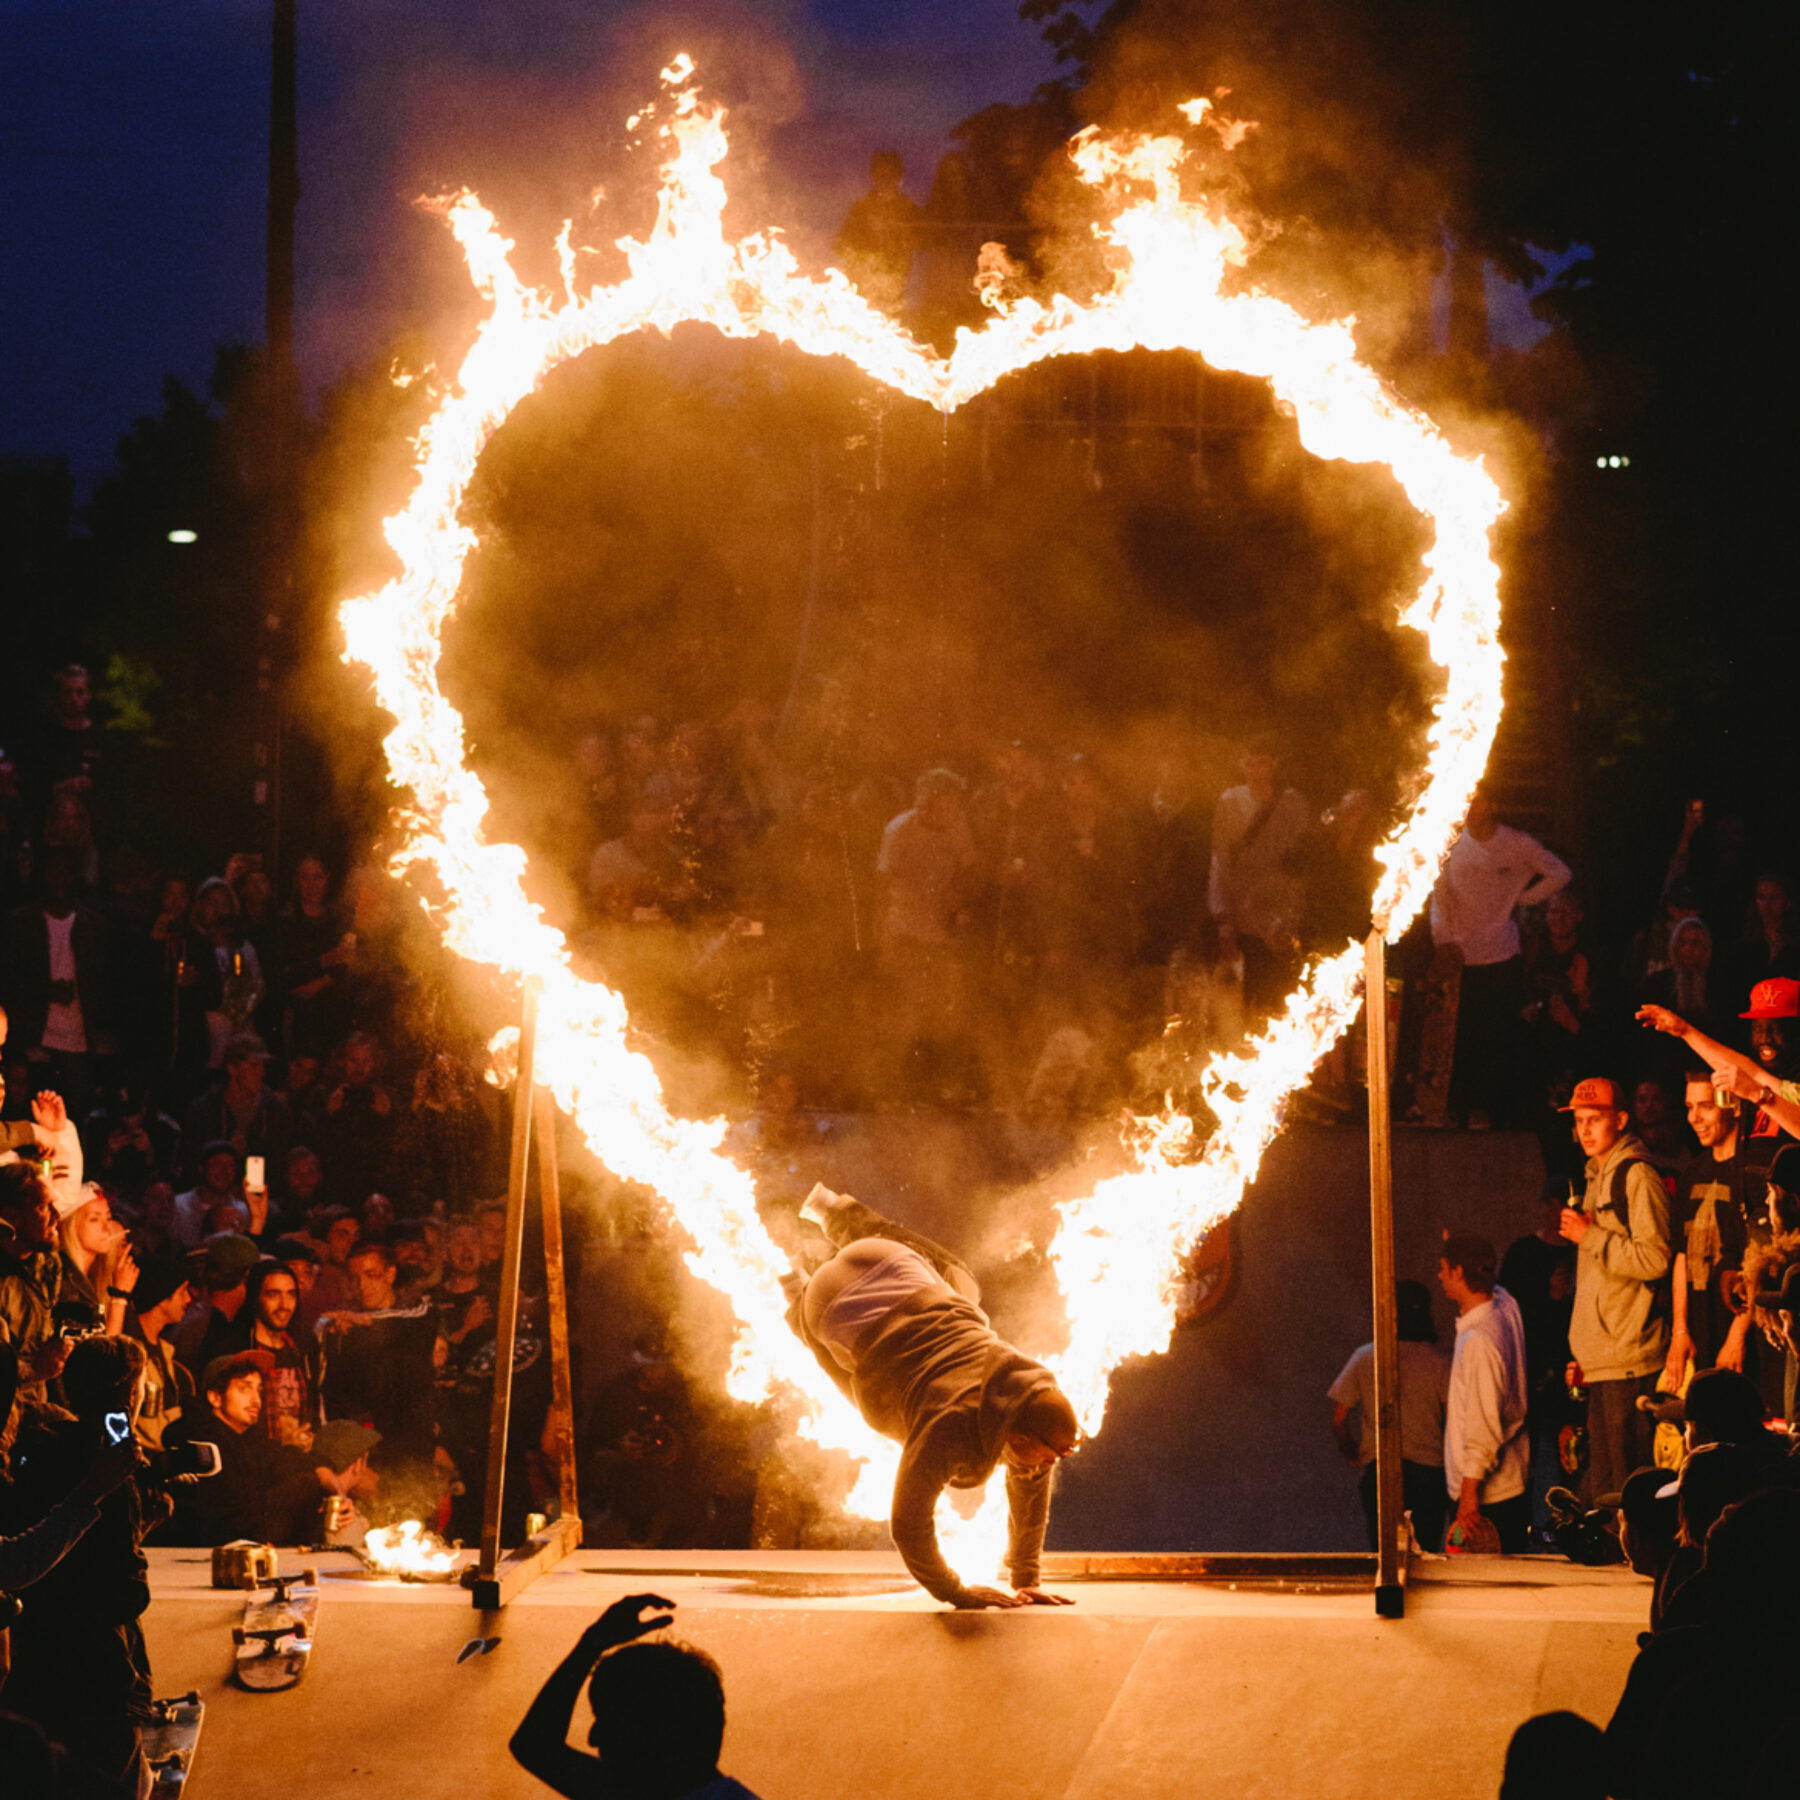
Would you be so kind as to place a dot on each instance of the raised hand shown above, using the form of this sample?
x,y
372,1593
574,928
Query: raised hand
x,y
110,1469
625,1619
47,1110
1659,1018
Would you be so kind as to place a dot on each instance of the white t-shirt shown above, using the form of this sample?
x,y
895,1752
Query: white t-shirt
x,y
1424,1387
64,1027
1472,904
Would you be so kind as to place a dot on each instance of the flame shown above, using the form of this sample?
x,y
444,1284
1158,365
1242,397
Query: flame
x,y
408,1549
1116,1251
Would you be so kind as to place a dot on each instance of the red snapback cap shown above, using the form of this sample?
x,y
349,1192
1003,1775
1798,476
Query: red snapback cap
x,y
1596,1091
1776,998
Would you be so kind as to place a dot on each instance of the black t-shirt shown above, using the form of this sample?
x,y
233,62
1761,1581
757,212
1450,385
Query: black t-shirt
x,y
381,1374
1717,1210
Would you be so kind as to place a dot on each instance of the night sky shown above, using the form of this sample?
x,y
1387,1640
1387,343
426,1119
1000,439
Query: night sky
x,y
133,158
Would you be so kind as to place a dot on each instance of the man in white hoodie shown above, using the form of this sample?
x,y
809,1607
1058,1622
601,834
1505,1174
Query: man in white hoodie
x,y
1487,1452
1491,872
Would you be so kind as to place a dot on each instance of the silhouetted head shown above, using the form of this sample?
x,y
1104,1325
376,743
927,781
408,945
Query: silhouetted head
x,y
659,1718
1556,1756
1412,1301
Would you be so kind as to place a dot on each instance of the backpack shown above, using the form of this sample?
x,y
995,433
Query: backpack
x,y
1618,1203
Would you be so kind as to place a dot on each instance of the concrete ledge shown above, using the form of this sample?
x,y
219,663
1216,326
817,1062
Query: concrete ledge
x,y
842,1680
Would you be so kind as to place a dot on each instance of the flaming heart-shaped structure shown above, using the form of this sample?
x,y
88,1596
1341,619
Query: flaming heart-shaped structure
x,y
1117,1251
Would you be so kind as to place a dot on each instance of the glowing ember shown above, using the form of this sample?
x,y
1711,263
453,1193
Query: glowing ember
x,y
1117,1252
410,1551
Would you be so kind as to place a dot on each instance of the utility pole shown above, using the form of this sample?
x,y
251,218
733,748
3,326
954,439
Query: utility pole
x,y
284,190
281,406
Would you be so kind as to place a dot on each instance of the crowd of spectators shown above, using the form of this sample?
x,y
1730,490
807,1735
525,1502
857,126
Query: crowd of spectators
x,y
248,1191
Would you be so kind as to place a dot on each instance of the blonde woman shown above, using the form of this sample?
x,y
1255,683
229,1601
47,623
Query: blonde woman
x,y
98,1265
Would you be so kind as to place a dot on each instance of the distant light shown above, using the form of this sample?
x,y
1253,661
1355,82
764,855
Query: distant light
x,y
1625,462
1612,462
193,537
1599,462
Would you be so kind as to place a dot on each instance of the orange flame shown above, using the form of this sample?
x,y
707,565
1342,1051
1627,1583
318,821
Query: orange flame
x,y
408,1549
1117,1251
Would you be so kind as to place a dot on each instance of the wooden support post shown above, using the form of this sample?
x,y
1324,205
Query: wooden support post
x,y
507,1324
1390,1522
556,1304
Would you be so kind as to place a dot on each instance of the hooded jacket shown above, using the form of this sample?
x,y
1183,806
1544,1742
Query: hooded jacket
x,y
1619,1329
933,1375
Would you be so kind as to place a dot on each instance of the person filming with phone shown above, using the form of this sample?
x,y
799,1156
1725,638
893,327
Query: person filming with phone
x,y
79,1667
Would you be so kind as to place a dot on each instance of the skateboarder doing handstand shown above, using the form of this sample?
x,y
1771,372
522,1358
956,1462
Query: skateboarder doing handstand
x,y
893,1320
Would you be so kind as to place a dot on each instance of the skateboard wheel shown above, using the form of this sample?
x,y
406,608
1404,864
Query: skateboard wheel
x,y
237,1635
309,1577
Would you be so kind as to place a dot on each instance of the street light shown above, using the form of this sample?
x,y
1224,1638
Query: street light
x,y
181,535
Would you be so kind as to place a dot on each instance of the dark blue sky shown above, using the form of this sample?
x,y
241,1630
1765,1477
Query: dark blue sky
x,y
133,152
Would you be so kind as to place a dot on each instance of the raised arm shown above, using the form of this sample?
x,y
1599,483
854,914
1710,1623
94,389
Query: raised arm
x,y
1749,1079
541,1744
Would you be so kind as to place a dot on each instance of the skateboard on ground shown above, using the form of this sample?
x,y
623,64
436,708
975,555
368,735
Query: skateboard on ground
x,y
275,1639
168,1738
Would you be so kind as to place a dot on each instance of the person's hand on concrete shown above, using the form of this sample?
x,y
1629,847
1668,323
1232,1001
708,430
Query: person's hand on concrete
x,y
973,1599
1032,1596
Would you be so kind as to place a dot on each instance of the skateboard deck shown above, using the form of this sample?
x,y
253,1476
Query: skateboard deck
x,y
275,1639
168,1739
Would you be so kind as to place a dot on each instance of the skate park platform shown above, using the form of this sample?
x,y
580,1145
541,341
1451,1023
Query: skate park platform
x,y
842,1679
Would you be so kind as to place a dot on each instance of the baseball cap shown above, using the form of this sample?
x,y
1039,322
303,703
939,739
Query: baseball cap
x,y
1776,998
1784,1168
67,1204
229,1254
1725,1405
223,1370
158,1278
1648,1503
339,1442
1596,1091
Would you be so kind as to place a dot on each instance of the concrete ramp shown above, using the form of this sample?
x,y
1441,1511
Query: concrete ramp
x,y
843,1680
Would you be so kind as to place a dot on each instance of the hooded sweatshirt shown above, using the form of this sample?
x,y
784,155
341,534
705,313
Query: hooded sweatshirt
x,y
1619,1329
933,1375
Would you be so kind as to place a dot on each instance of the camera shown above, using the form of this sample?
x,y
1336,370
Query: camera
x,y
75,1320
184,1463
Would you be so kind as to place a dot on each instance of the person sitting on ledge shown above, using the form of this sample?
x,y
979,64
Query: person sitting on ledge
x,y
893,1320
659,1715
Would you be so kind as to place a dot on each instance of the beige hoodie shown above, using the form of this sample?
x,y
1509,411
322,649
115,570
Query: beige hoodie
x,y
1620,1327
